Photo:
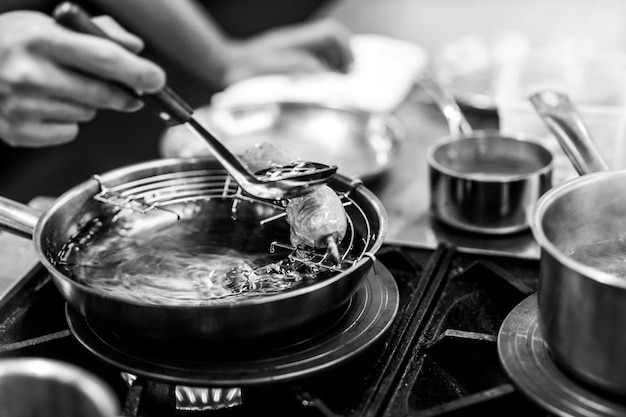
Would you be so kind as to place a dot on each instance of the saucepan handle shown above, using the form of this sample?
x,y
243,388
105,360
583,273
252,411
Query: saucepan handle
x,y
166,104
18,218
457,123
565,122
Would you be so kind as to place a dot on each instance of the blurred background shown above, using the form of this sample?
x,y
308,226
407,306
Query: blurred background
x,y
489,53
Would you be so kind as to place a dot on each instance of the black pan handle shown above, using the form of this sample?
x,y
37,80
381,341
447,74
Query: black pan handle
x,y
166,104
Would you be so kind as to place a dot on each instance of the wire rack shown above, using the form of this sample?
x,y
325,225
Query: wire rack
x,y
165,191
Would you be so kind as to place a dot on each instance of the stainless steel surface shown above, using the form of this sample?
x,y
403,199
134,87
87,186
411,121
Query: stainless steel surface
x,y
487,182
50,388
17,218
361,144
204,178
18,258
527,361
582,309
563,119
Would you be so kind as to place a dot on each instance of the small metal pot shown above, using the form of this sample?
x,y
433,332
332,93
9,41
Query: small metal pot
x,y
581,309
487,182
483,181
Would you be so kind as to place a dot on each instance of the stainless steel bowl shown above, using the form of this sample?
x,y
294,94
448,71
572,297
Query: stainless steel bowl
x,y
362,144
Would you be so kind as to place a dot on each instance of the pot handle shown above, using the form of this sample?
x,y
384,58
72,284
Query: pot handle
x,y
563,119
457,123
18,218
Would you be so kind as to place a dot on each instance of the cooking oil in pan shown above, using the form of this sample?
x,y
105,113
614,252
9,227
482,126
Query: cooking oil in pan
x,y
607,255
206,256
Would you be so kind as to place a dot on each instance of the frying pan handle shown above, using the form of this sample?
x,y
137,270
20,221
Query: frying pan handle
x,y
18,218
166,104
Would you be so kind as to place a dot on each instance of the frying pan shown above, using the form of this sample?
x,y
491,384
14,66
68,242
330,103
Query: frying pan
x,y
169,186
362,144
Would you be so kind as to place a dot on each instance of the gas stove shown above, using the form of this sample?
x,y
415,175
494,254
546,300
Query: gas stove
x,y
433,332
429,348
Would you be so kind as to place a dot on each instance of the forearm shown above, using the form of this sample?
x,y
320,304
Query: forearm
x,y
181,30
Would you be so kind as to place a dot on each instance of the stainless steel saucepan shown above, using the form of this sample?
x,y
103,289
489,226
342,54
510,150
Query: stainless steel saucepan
x,y
483,181
166,189
581,228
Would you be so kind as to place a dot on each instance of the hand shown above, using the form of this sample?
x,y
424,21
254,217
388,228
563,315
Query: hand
x,y
317,46
52,79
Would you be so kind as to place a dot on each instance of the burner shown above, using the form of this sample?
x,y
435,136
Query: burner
x,y
527,361
339,336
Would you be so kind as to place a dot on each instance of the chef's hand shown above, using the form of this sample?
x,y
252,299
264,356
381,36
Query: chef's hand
x,y
52,79
306,48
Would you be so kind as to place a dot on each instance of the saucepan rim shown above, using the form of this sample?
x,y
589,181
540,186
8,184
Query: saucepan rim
x,y
495,135
538,213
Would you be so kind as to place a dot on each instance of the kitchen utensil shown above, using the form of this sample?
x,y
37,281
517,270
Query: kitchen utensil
x,y
171,188
483,181
362,144
291,181
582,306
31,386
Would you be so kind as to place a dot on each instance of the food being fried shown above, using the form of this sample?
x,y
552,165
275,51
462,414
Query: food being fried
x,y
266,155
317,219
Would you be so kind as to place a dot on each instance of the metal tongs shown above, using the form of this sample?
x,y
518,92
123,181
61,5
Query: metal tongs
x,y
277,183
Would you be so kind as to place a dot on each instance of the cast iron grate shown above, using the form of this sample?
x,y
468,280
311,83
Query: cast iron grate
x,y
453,367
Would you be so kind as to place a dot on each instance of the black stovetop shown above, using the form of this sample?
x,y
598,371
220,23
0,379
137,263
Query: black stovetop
x,y
438,358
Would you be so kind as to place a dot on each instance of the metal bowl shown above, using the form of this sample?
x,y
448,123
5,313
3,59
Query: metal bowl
x,y
362,144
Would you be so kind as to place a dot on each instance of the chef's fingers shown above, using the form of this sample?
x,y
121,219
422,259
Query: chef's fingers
x,y
101,58
28,75
119,34
34,107
37,133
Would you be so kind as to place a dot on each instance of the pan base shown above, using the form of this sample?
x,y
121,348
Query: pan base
x,y
342,335
526,359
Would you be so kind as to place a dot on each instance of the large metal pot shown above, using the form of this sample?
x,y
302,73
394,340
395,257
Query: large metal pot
x,y
582,309
163,181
